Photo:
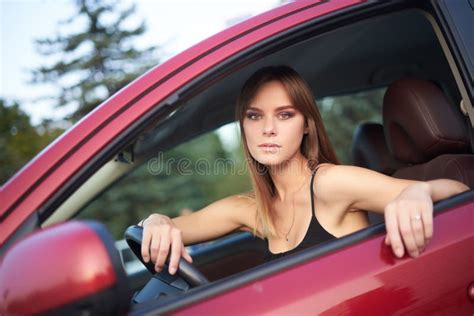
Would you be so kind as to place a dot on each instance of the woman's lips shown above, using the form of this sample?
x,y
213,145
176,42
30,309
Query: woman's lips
x,y
270,148
269,145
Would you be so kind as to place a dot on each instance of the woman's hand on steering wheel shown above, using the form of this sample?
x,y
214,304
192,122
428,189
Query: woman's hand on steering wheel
x,y
160,235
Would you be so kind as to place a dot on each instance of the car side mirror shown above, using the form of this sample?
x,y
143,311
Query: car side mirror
x,y
66,269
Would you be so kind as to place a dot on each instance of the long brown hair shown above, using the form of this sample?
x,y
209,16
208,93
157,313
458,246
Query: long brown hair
x,y
315,146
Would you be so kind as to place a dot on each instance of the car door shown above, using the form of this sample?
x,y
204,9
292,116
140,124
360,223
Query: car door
x,y
356,275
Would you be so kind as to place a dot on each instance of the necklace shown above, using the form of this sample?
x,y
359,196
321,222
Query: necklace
x,y
293,204
293,220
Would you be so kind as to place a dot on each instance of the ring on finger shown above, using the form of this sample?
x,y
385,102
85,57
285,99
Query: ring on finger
x,y
416,217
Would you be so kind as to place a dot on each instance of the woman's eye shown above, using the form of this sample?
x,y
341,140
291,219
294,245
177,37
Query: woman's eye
x,y
253,116
285,115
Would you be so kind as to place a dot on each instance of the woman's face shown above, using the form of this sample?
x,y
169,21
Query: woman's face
x,y
273,127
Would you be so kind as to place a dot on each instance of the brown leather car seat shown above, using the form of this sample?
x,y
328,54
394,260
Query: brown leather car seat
x,y
425,132
370,150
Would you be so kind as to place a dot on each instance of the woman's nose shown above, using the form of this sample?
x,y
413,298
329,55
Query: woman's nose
x,y
269,128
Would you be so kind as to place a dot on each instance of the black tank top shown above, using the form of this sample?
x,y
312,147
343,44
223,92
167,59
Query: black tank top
x,y
316,233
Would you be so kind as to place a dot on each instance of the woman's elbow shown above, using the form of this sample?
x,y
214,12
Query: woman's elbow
x,y
461,187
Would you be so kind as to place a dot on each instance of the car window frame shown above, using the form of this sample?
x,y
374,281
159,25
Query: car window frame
x,y
453,38
161,109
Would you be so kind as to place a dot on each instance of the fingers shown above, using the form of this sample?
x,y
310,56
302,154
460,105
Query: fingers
x,y
163,250
160,239
409,226
176,247
427,218
393,234
409,220
146,244
407,233
155,248
417,231
186,255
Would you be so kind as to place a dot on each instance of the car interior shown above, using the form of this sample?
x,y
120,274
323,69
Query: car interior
x,y
423,134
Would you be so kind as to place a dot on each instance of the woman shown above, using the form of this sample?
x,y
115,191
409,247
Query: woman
x,y
301,196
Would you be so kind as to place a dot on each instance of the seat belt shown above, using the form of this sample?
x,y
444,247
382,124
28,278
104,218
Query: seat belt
x,y
466,113
471,134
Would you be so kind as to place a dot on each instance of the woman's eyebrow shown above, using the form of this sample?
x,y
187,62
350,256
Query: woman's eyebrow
x,y
283,107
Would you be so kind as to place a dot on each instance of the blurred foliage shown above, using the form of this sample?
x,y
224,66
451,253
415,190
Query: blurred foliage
x,y
97,61
189,176
342,114
19,139
90,66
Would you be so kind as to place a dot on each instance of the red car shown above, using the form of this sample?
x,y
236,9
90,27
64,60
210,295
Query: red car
x,y
419,52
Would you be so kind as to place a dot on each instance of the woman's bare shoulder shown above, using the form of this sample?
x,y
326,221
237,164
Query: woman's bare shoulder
x,y
332,172
325,167
343,184
330,180
328,174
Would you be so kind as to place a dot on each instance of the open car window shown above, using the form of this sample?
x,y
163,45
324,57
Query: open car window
x,y
207,168
190,176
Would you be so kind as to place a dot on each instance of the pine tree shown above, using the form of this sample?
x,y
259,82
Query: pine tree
x,y
99,60
96,61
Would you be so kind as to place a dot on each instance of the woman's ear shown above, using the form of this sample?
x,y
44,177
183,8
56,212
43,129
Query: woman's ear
x,y
305,130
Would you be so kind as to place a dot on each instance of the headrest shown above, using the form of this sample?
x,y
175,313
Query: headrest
x,y
369,149
419,122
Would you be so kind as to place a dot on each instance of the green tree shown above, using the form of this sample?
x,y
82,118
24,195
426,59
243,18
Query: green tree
x,y
91,64
96,61
19,139
189,176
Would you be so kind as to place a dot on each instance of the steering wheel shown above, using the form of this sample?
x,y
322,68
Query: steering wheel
x,y
191,275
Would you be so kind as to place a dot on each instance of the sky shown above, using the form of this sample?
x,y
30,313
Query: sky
x,y
174,25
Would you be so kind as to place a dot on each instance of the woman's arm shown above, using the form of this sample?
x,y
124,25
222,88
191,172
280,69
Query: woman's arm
x,y
406,204
162,234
